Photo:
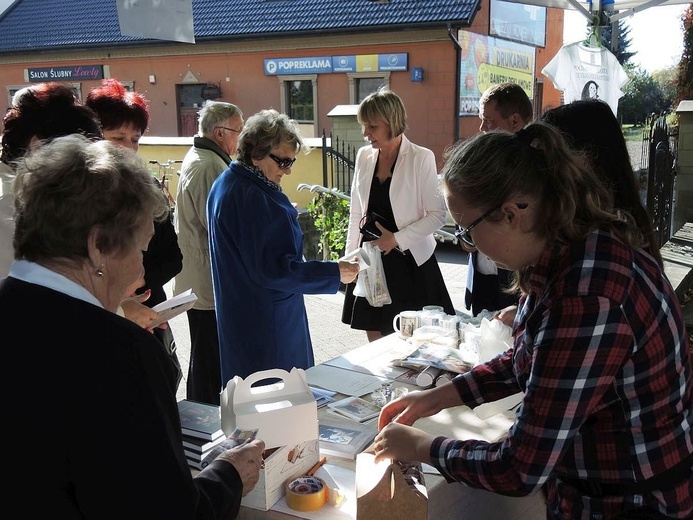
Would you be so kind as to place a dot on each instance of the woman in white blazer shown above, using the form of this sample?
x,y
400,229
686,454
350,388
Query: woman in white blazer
x,y
397,180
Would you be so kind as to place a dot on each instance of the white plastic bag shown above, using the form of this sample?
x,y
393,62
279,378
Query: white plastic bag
x,y
371,282
486,341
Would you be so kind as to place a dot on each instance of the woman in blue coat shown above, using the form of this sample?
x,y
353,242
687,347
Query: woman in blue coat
x,y
256,247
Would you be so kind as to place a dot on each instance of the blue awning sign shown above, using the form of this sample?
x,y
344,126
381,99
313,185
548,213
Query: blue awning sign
x,y
327,64
312,65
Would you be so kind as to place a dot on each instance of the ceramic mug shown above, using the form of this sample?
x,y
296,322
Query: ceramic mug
x,y
450,324
408,322
430,318
433,308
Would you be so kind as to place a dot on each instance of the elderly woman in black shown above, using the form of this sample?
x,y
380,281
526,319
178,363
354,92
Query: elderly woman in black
x,y
96,406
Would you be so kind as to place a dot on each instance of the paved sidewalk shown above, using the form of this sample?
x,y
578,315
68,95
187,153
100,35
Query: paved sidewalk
x,y
329,335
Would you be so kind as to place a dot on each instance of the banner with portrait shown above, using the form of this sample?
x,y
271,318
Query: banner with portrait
x,y
487,61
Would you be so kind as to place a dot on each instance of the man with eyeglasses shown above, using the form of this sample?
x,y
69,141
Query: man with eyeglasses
x,y
220,125
506,107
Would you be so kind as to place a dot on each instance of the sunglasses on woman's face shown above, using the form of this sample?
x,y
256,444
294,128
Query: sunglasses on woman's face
x,y
284,163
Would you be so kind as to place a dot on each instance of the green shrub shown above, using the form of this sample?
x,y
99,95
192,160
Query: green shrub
x,y
331,217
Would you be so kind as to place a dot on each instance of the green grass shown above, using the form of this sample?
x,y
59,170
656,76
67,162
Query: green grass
x,y
632,132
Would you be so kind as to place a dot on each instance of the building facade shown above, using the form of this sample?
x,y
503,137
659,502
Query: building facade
x,y
302,57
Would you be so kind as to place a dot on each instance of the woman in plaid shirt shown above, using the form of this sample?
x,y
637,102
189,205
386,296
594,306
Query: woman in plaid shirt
x,y
600,347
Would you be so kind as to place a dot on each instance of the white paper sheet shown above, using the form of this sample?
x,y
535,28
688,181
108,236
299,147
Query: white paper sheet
x,y
343,381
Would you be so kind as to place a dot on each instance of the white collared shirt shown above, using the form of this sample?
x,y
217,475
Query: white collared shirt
x,y
32,272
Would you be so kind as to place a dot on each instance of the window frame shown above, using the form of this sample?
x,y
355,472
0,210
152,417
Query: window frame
x,y
285,85
354,78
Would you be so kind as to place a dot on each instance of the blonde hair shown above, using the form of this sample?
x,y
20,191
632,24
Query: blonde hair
x,y
384,105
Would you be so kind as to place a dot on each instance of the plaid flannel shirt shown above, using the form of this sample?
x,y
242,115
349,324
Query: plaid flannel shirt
x,y
602,354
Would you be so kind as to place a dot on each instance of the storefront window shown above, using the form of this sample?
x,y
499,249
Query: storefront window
x,y
366,86
300,101
363,83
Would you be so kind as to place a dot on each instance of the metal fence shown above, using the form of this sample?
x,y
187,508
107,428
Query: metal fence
x,y
338,161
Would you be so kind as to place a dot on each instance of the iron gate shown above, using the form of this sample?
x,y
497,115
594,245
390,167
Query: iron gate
x,y
338,162
659,154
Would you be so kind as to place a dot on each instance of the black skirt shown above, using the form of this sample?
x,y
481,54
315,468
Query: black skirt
x,y
411,287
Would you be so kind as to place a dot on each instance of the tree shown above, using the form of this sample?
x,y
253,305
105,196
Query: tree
x,y
622,43
666,81
642,97
684,77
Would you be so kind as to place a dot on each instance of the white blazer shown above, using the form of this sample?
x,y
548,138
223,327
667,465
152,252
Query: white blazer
x,y
417,202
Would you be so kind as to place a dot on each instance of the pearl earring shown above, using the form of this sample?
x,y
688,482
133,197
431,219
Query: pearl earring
x,y
99,271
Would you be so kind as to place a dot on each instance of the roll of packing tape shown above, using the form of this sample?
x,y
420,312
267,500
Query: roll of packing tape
x,y
306,493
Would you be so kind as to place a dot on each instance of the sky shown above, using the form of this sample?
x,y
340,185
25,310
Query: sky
x,y
656,34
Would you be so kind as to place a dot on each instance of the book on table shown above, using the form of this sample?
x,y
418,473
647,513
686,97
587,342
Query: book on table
x,y
197,457
344,439
355,408
172,307
200,420
438,356
237,438
197,445
194,463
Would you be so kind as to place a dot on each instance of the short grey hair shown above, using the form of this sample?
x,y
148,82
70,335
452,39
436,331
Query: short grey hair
x,y
266,130
69,186
214,114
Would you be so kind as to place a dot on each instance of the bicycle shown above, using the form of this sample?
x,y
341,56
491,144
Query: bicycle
x,y
163,176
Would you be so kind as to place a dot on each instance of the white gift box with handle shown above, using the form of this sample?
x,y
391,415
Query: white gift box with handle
x,y
284,412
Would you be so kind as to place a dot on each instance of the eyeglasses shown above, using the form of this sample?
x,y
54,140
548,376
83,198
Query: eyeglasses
x,y
463,233
285,163
231,129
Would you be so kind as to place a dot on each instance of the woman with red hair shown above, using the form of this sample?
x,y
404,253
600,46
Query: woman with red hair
x,y
124,118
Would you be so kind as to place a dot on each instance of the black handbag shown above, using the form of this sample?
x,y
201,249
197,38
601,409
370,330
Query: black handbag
x,y
370,230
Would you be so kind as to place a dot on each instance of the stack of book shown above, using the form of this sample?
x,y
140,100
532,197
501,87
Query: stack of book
x,y
201,428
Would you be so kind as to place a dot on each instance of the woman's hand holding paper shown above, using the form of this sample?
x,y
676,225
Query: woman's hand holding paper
x,y
348,270
137,312
247,459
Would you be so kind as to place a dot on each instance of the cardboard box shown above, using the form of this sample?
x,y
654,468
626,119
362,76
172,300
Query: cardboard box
x,y
285,463
284,412
389,489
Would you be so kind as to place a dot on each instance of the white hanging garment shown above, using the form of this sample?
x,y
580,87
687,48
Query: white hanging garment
x,y
582,72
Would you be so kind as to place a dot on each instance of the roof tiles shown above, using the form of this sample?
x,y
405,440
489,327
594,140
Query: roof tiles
x,y
58,24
